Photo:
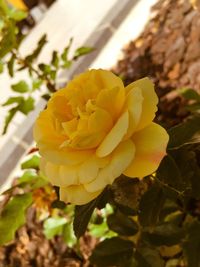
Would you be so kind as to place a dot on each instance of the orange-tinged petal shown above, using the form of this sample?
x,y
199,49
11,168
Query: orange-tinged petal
x,y
150,143
120,160
76,194
114,137
149,106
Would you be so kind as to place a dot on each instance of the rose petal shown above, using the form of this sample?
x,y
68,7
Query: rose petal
x,y
76,194
59,175
112,96
114,137
120,160
107,79
89,169
150,101
45,131
133,104
64,155
150,143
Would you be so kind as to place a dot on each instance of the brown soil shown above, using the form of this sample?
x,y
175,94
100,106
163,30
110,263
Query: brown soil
x,y
168,51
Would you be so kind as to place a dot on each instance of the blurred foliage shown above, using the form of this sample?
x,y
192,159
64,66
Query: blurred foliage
x,y
41,77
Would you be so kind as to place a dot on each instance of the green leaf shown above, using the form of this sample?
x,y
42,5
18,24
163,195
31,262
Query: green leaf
x,y
67,64
150,205
27,105
41,43
36,84
81,51
8,40
167,234
193,107
46,97
68,235
46,69
17,14
54,226
57,204
13,100
4,7
191,246
185,133
122,224
187,161
190,94
32,163
64,55
27,176
13,216
83,214
20,87
32,179
55,59
169,173
1,66
148,257
127,193
113,251
10,65
101,230
8,119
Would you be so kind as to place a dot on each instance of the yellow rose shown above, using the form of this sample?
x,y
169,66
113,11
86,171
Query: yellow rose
x,y
94,130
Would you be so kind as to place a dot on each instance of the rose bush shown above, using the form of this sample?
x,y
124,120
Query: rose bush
x,y
94,130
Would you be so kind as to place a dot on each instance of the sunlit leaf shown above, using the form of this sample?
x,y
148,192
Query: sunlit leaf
x,y
64,55
68,235
41,43
1,66
101,230
17,14
13,100
13,216
55,59
20,87
10,65
32,163
8,119
27,105
81,51
36,84
54,226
